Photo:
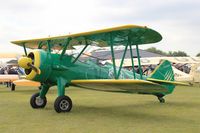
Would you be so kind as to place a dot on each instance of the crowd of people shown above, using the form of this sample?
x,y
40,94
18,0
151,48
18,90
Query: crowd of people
x,y
10,70
148,69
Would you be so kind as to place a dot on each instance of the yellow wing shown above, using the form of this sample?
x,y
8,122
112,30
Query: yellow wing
x,y
8,78
120,85
24,82
120,35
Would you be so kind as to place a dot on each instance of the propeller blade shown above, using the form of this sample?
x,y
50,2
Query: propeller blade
x,y
37,70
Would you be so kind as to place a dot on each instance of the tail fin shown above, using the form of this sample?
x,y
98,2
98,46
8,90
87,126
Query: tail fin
x,y
163,72
164,75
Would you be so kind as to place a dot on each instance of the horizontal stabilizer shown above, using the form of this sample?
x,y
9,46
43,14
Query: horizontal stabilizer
x,y
168,82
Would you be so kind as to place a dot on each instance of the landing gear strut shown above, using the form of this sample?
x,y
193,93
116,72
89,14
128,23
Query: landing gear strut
x,y
160,98
62,103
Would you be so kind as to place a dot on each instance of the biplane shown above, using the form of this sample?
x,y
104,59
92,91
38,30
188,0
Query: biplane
x,y
53,68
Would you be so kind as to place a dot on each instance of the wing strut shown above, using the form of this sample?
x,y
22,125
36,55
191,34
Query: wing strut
x,y
117,73
122,61
49,47
131,52
81,51
65,47
139,64
25,49
113,56
40,45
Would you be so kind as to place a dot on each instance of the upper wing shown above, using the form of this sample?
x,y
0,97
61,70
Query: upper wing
x,y
120,85
117,35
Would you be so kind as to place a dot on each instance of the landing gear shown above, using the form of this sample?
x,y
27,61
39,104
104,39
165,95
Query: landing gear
x,y
39,87
161,99
63,104
37,102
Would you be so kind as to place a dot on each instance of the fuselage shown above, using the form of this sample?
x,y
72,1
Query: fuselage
x,y
53,66
55,69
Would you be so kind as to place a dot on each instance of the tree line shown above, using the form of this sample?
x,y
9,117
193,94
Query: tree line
x,y
170,53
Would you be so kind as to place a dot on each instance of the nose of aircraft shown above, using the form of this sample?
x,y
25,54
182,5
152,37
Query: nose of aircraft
x,y
26,63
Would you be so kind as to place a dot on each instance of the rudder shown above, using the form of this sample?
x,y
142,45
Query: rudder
x,y
165,72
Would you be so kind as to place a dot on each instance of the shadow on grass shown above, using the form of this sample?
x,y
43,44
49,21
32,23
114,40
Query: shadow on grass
x,y
20,91
146,112
183,104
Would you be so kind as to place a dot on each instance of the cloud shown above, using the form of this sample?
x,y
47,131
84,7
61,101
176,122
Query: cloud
x,y
177,20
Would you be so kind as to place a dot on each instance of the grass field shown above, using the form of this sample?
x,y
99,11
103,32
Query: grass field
x,y
101,112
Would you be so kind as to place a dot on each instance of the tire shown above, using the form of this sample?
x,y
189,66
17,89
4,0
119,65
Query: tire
x,y
63,104
161,99
37,102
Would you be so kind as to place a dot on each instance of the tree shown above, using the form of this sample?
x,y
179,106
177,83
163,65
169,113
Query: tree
x,y
198,55
170,53
177,53
157,51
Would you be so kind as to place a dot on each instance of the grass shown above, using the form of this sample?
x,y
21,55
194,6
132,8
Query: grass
x,y
101,112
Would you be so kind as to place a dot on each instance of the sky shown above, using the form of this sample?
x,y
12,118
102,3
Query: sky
x,y
178,21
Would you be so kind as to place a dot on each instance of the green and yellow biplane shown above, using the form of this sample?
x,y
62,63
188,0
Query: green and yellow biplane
x,y
50,69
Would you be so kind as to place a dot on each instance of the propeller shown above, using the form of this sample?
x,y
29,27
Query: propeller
x,y
26,63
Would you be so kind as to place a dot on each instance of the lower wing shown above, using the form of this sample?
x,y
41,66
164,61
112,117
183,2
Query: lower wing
x,y
120,85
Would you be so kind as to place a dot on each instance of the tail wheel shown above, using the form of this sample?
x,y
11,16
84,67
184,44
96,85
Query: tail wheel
x,y
37,102
63,104
161,99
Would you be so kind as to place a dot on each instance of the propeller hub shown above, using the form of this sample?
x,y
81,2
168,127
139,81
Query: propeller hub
x,y
24,61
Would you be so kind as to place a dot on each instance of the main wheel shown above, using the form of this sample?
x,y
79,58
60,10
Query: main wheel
x,y
63,104
37,102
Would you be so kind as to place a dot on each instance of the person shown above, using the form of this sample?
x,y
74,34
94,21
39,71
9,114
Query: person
x,y
148,69
6,69
8,84
1,71
12,71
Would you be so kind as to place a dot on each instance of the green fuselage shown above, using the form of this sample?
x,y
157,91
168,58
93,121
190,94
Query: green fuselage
x,y
62,70
53,66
